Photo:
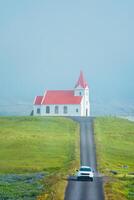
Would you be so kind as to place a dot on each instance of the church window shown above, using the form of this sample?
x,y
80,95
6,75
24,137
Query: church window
x,y
65,109
56,109
47,109
38,110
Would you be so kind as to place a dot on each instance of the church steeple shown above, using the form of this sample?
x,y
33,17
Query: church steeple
x,y
81,81
82,89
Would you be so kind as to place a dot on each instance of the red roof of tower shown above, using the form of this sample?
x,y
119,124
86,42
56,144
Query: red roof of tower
x,y
61,97
81,81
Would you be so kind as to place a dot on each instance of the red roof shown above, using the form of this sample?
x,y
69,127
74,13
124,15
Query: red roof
x,y
38,100
61,97
81,81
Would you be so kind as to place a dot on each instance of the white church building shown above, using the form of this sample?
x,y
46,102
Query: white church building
x,y
64,102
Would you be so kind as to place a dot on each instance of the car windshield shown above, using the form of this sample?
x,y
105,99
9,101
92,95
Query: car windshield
x,y
85,169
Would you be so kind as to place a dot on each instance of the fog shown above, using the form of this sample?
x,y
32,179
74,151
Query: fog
x,y
45,44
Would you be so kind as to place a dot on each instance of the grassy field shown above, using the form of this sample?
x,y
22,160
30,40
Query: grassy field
x,y
38,144
115,152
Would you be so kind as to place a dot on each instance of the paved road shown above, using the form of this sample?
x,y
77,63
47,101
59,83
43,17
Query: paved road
x,y
86,190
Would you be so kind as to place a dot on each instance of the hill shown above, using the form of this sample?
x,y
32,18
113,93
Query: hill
x,y
115,154
32,145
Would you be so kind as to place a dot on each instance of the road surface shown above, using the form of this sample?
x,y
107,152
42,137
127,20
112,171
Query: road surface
x,y
86,190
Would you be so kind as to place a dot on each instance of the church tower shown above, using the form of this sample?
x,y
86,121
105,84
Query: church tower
x,y
82,89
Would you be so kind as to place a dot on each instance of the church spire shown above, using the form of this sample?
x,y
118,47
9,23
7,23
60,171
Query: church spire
x,y
81,81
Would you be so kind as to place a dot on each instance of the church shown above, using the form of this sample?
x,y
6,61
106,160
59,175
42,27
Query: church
x,y
64,102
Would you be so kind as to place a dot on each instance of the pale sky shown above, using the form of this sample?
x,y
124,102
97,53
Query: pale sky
x,y
45,43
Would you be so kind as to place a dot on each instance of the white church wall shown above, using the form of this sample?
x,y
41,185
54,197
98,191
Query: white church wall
x,y
85,108
82,107
37,110
72,110
78,91
86,104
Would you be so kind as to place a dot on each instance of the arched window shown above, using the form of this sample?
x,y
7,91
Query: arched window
x,y
77,110
38,110
56,109
47,109
65,109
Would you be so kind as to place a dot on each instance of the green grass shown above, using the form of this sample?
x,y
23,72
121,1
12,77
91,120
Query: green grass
x,y
20,187
36,144
30,144
115,149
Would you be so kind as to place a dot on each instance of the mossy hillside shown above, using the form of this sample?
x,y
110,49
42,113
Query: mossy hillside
x,y
30,145
115,152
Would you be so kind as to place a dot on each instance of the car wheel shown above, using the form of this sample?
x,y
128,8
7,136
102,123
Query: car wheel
x,y
91,179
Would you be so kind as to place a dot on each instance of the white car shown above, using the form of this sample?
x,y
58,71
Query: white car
x,y
85,172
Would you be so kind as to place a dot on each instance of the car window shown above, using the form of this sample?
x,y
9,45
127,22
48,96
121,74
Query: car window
x,y
85,169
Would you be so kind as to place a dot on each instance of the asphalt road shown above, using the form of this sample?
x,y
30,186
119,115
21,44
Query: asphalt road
x,y
86,190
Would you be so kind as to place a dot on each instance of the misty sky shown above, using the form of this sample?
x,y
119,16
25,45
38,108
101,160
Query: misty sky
x,y
45,43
